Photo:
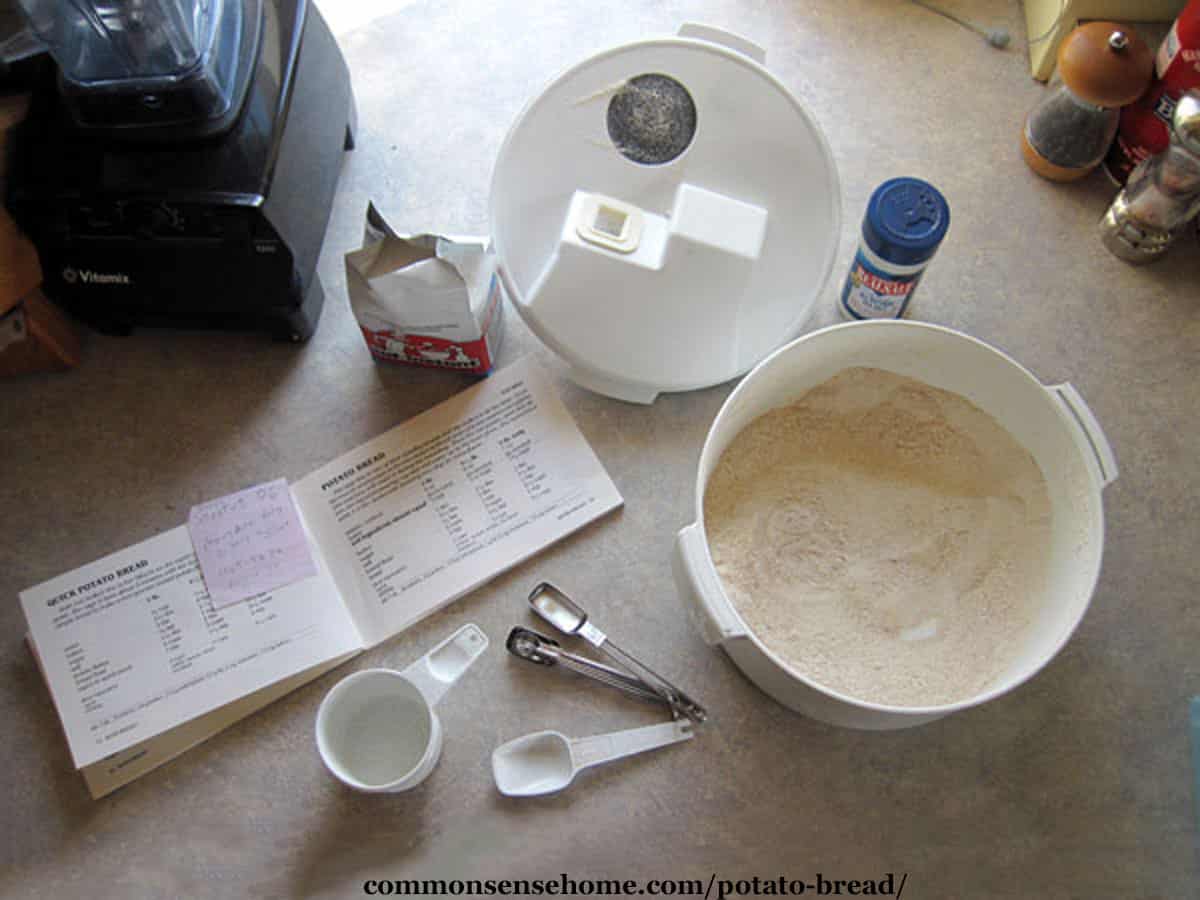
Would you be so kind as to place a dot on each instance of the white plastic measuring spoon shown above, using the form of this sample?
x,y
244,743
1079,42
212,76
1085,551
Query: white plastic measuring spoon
x,y
548,761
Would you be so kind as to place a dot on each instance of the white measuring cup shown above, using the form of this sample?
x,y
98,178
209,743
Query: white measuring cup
x,y
548,761
377,730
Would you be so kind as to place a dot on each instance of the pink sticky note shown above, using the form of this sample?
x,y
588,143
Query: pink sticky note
x,y
250,542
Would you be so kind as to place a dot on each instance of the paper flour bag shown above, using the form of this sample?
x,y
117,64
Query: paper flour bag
x,y
426,299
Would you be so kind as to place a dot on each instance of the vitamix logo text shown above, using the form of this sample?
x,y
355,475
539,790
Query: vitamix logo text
x,y
87,276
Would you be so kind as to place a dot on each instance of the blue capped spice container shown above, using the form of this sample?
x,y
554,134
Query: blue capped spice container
x,y
905,222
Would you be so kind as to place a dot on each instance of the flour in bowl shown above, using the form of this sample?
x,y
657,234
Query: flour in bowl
x,y
886,538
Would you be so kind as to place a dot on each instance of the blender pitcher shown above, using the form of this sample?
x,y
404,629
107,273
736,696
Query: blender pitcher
x,y
135,65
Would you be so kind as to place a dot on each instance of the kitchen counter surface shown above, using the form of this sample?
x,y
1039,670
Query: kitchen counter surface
x,y
1077,784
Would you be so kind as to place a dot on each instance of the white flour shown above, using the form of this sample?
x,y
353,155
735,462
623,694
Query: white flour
x,y
886,538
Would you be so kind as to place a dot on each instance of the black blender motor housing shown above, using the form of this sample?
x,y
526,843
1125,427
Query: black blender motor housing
x,y
212,223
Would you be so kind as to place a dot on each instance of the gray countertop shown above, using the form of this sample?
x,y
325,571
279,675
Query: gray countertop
x,y
1077,784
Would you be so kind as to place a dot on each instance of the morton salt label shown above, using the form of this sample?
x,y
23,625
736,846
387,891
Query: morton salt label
x,y
905,222
873,293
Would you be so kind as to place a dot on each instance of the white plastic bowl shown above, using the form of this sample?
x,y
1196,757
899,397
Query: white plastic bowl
x,y
1053,423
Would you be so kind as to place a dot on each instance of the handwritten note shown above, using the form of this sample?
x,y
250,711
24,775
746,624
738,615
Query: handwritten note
x,y
250,542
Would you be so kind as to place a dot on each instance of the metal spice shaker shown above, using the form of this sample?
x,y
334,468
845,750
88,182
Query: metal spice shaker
x,y
1162,194
1103,66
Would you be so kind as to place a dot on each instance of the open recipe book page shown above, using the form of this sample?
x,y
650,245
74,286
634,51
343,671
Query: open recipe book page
x,y
141,663
432,509
132,646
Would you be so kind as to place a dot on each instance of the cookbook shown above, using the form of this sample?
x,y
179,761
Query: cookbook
x,y
142,665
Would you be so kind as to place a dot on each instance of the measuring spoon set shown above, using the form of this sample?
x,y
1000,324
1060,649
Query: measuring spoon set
x,y
378,731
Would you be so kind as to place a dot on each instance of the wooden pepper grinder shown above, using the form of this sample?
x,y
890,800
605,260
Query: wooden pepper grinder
x,y
1103,66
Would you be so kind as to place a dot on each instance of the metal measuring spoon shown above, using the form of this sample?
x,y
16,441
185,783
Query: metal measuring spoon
x,y
548,761
570,618
541,650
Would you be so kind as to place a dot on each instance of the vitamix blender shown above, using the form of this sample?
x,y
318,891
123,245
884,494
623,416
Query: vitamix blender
x,y
180,161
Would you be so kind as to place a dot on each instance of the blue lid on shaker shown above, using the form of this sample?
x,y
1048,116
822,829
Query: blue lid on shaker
x,y
906,220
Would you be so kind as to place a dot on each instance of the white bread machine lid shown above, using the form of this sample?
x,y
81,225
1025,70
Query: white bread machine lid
x,y
665,214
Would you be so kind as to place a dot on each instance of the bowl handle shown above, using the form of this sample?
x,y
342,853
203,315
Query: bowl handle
x,y
697,582
1080,417
727,39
